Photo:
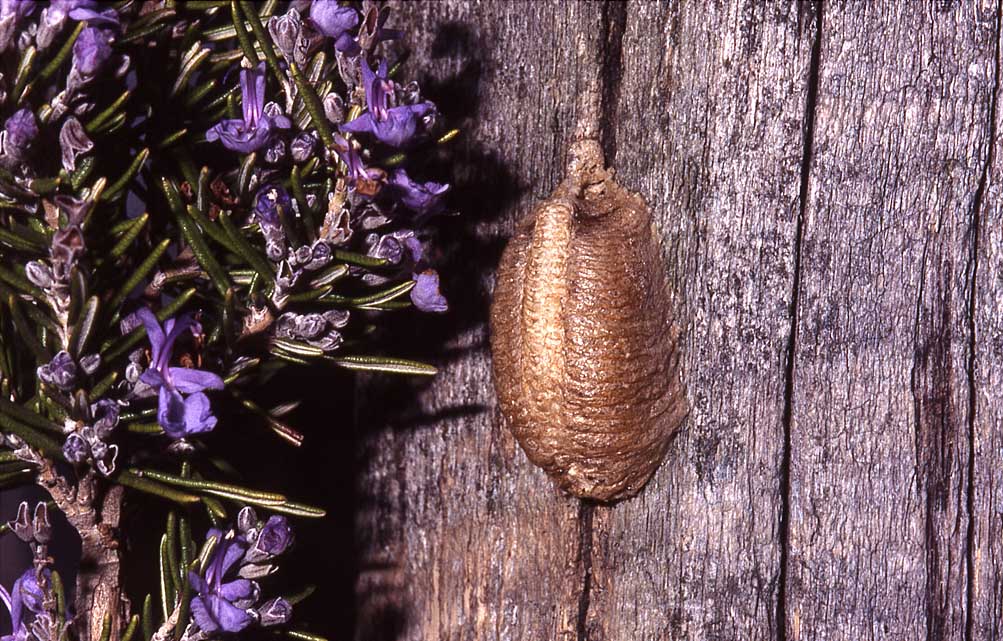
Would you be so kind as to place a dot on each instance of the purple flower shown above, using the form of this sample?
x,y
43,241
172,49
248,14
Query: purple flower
x,y
60,372
392,247
223,606
179,415
365,179
425,294
257,127
11,12
85,10
423,199
26,595
275,612
90,51
392,125
20,129
335,21
16,8
76,449
269,199
275,537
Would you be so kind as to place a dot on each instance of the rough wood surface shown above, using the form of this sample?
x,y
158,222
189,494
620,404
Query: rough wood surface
x,y
880,444
713,142
826,185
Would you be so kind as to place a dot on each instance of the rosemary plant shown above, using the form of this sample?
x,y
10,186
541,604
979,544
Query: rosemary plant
x,y
194,197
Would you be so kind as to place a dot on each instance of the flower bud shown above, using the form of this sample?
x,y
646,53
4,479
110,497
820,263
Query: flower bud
x,y
275,612
39,274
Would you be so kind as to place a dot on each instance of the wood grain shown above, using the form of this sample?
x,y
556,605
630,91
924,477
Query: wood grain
x,y
467,539
709,122
879,437
825,184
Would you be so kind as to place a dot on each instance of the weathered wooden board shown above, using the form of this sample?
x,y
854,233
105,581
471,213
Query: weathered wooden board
x,y
986,541
463,538
880,447
830,212
709,127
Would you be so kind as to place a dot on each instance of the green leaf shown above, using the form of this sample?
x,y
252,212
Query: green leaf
x,y
29,435
27,331
359,260
245,250
383,364
142,271
130,630
280,429
63,53
119,185
20,242
172,138
380,297
193,57
302,595
148,624
166,588
131,480
301,201
129,236
83,329
20,283
446,137
171,532
184,606
60,592
213,230
24,69
311,294
240,29
29,417
329,275
106,627
223,490
144,428
194,238
245,174
107,113
313,105
300,635
297,348
264,39
200,91
299,509
84,168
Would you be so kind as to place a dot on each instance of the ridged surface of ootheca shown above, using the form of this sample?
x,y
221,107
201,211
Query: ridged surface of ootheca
x,y
583,341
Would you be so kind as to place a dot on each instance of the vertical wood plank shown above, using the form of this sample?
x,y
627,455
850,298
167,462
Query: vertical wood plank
x,y
462,538
880,439
708,124
987,500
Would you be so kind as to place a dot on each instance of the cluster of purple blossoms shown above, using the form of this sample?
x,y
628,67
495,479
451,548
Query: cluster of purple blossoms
x,y
87,441
228,597
394,116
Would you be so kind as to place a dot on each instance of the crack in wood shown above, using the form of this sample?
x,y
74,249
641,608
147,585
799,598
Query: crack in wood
x,y
586,511
815,9
614,24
